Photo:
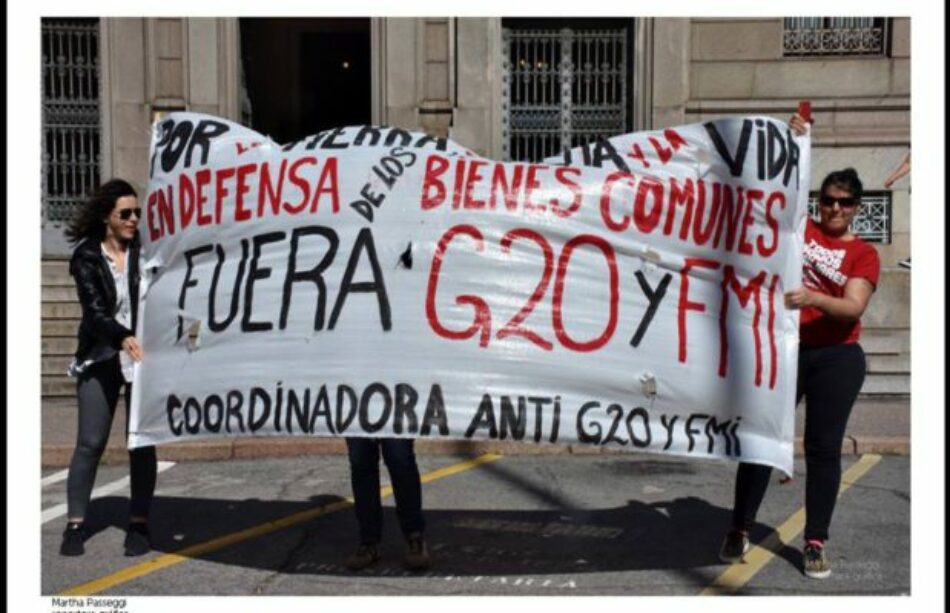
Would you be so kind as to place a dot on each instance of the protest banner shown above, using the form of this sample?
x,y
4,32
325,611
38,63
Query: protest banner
x,y
375,282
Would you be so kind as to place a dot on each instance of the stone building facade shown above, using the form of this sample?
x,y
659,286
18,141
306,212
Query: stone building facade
x,y
460,77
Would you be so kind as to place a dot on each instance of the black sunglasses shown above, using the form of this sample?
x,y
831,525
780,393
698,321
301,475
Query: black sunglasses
x,y
125,214
845,203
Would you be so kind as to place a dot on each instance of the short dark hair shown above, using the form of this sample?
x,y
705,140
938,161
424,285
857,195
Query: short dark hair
x,y
845,179
87,222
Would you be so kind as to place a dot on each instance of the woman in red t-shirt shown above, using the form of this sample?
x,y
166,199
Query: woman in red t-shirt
x,y
840,274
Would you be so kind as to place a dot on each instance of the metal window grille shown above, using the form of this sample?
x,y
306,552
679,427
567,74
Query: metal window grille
x,y
873,221
561,89
822,36
71,148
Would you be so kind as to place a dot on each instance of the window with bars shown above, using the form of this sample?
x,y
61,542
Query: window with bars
x,y
71,147
873,221
563,87
834,36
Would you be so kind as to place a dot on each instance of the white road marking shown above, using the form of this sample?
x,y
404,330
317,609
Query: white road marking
x,y
54,478
60,509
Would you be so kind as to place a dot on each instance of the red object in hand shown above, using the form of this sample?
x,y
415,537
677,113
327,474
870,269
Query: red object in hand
x,y
804,109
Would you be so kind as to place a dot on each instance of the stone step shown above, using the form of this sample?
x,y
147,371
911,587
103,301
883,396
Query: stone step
x,y
56,293
56,273
55,364
885,340
889,364
60,310
55,262
57,386
889,384
53,346
59,327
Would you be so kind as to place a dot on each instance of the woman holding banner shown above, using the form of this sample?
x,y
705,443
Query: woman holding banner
x,y
105,267
840,274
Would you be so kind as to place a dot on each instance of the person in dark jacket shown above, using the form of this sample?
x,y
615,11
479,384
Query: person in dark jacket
x,y
105,266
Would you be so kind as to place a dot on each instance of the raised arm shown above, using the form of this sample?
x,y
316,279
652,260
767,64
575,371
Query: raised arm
x,y
899,172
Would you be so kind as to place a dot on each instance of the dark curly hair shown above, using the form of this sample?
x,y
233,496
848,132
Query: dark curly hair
x,y
844,179
87,222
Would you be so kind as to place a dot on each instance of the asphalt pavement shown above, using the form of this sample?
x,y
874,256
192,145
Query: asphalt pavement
x,y
606,525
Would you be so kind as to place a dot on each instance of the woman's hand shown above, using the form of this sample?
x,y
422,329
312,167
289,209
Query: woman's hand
x,y
798,125
132,347
798,298
850,307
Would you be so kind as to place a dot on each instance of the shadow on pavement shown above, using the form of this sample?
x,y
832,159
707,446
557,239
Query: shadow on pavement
x,y
680,534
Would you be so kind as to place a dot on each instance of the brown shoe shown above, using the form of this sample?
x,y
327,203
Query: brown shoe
x,y
417,553
365,556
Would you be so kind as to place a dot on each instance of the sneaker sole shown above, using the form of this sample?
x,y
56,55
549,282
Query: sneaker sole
x,y
819,574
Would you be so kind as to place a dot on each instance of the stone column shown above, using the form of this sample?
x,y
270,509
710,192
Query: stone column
x,y
671,52
402,73
213,66
477,121
419,73
438,72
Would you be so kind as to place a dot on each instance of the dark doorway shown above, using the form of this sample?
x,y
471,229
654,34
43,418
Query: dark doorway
x,y
306,75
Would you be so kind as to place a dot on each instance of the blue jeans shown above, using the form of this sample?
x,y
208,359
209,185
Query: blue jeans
x,y
404,474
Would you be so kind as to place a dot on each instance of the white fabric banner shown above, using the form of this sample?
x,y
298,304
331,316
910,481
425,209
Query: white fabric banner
x,y
375,282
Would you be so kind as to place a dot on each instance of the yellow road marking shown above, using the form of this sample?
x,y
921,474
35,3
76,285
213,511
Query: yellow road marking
x,y
194,551
738,574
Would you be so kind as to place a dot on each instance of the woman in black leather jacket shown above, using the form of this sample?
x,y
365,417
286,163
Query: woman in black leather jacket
x,y
105,266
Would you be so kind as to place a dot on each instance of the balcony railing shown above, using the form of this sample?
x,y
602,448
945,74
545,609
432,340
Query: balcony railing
x,y
822,36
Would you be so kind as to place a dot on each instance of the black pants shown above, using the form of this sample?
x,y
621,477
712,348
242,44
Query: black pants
x,y
403,472
830,379
97,392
